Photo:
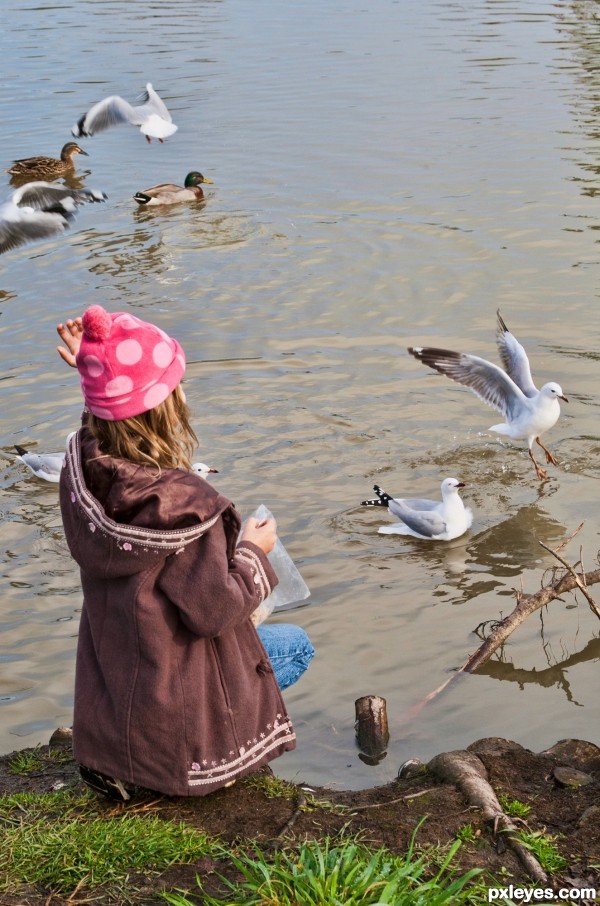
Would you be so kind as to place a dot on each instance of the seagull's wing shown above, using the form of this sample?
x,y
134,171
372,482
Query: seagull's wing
x,y
45,196
426,522
111,111
514,358
489,382
419,503
151,103
21,225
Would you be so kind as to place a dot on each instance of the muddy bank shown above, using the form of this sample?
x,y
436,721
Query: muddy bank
x,y
461,794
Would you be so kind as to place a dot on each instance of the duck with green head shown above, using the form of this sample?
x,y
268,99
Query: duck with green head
x,y
43,167
169,193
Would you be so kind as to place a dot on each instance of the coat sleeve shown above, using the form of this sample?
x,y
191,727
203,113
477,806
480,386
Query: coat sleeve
x,y
212,591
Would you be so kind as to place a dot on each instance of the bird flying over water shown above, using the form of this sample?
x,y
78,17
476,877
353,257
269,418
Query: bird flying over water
x,y
528,412
151,116
39,210
431,520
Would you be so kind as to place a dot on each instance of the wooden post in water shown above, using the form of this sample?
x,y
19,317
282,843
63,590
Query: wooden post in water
x,y
372,731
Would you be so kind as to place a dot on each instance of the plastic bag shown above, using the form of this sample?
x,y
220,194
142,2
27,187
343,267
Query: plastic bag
x,y
291,588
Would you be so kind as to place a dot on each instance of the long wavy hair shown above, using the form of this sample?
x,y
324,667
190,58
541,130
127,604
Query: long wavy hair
x,y
161,437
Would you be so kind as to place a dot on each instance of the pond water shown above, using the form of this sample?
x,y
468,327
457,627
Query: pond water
x,y
385,175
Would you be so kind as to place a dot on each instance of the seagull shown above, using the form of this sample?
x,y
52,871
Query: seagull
x,y
528,412
43,465
202,470
431,520
39,210
151,116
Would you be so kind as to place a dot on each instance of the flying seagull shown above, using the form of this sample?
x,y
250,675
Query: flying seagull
x,y
39,210
151,116
528,412
432,520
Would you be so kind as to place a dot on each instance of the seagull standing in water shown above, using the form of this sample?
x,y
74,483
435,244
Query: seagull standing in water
x,y
43,465
201,469
151,116
528,412
431,520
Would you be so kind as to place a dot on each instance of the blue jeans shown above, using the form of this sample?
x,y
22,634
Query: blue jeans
x,y
289,650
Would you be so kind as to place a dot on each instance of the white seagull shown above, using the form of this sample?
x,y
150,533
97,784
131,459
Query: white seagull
x,y
431,520
528,412
151,116
201,469
39,210
43,465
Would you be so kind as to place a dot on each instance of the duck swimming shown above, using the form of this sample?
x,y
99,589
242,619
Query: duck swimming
x,y
169,193
43,167
151,116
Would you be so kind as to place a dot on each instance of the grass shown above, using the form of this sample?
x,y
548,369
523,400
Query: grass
x,y
343,874
513,807
29,761
58,842
543,847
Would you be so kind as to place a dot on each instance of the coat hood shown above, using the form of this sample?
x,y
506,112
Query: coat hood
x,y
122,518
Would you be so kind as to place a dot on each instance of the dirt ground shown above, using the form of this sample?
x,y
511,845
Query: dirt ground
x,y
382,816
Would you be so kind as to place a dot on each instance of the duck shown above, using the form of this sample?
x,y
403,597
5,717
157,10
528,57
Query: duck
x,y
169,193
43,167
39,210
151,116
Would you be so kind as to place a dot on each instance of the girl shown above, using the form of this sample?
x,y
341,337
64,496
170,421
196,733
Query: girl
x,y
174,690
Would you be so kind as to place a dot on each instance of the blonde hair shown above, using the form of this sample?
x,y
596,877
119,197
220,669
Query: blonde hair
x,y
162,437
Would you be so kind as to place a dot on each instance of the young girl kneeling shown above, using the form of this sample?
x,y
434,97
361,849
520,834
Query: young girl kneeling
x,y
174,689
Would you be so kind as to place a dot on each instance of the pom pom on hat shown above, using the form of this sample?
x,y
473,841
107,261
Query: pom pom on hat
x,y
127,366
96,323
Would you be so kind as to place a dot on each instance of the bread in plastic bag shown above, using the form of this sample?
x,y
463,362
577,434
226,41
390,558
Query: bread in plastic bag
x,y
291,588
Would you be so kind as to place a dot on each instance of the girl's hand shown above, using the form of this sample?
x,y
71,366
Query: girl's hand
x,y
262,532
70,333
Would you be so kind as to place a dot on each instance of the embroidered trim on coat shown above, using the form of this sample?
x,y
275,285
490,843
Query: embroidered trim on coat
x,y
263,585
221,773
154,539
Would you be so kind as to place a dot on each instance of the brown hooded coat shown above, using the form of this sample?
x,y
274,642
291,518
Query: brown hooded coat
x,y
173,688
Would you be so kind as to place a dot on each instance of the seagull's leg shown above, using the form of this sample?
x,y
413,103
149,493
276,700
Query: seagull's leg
x,y
148,139
549,456
541,473
162,141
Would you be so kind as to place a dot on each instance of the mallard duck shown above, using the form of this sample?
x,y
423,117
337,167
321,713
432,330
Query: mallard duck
x,y
47,167
169,193
152,116
38,210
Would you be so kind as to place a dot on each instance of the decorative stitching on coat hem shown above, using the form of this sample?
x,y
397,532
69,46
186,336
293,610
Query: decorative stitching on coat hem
x,y
221,773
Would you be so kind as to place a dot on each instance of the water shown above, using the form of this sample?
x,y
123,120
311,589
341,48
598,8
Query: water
x,y
384,175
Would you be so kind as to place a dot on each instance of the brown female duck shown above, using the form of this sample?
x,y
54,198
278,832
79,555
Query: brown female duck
x,y
42,167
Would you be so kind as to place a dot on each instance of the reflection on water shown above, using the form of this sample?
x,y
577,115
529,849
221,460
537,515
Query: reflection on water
x,y
383,177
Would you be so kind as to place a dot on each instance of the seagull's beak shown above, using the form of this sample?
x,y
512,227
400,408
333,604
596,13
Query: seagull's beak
x,y
461,484
563,398
213,470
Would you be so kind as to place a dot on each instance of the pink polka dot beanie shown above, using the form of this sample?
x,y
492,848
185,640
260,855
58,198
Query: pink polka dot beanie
x,y
127,366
